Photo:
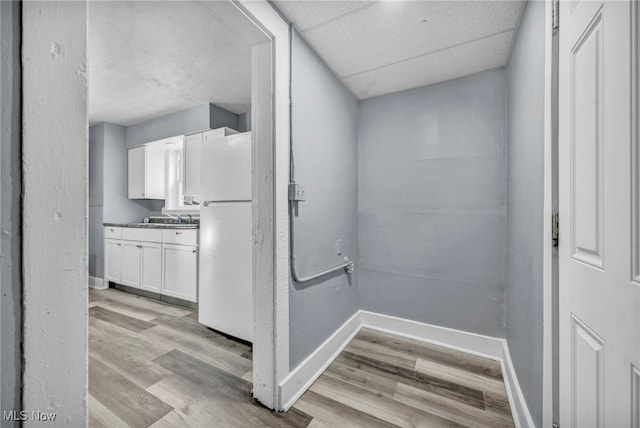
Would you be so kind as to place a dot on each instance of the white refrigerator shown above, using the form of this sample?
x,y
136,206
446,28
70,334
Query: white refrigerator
x,y
225,292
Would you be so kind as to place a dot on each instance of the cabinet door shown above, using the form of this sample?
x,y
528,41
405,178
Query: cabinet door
x,y
192,151
112,260
180,271
131,263
151,269
155,173
136,173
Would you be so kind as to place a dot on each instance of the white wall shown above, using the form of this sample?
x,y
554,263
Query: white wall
x,y
55,175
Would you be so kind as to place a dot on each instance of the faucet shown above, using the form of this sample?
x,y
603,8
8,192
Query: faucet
x,y
177,217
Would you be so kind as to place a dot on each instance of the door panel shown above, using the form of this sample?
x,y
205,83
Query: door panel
x,y
587,351
113,260
599,326
180,272
131,264
151,269
586,145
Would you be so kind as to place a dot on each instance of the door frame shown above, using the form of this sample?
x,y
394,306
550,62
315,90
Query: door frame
x,y
55,232
270,212
550,205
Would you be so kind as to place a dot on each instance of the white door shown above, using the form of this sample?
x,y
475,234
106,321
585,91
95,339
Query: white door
x,y
131,263
225,292
180,271
113,260
151,266
599,301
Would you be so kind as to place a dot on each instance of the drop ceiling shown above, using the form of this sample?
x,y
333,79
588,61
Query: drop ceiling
x,y
380,47
147,59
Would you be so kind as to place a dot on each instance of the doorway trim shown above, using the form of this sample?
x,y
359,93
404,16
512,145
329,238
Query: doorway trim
x,y
270,123
55,210
550,205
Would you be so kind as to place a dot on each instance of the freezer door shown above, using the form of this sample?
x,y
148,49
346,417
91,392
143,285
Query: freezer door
x,y
225,173
225,295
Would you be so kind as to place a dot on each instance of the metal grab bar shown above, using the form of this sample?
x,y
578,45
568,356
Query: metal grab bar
x,y
348,265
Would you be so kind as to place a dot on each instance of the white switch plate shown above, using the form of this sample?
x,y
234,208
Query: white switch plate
x,y
297,192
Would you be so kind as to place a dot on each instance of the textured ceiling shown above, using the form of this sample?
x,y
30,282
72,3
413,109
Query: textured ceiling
x,y
379,47
146,59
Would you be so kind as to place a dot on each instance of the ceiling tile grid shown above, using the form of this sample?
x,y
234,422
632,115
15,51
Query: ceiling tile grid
x,y
385,46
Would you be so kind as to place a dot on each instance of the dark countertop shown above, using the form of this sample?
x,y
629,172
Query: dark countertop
x,y
155,225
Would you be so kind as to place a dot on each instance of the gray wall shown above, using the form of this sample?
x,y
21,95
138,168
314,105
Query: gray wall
x,y
244,122
325,150
432,204
96,192
525,75
10,210
200,118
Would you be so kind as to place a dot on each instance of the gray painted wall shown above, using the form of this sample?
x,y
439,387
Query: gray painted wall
x,y
432,204
244,122
324,121
10,209
525,75
96,192
200,118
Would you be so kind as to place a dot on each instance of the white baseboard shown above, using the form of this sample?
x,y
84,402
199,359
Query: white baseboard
x,y
97,283
471,343
303,376
519,408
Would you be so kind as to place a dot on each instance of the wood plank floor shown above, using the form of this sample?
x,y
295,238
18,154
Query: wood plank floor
x,y
152,365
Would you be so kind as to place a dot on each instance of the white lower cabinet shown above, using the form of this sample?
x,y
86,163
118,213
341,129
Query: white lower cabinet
x,y
180,271
113,260
130,264
151,268
160,261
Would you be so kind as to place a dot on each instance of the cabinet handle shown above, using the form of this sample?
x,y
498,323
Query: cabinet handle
x,y
119,244
111,230
193,251
178,233
138,246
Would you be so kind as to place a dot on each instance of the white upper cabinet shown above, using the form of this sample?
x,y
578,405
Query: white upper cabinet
x,y
193,157
146,173
192,150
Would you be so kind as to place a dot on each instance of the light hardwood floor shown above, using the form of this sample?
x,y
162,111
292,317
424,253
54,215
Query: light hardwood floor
x,y
152,365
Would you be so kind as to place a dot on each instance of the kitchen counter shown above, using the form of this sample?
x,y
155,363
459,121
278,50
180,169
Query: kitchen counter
x,y
155,225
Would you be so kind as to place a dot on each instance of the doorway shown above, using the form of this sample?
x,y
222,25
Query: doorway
x,y
55,205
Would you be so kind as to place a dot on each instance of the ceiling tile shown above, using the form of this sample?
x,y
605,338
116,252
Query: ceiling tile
x,y
392,31
444,65
307,14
